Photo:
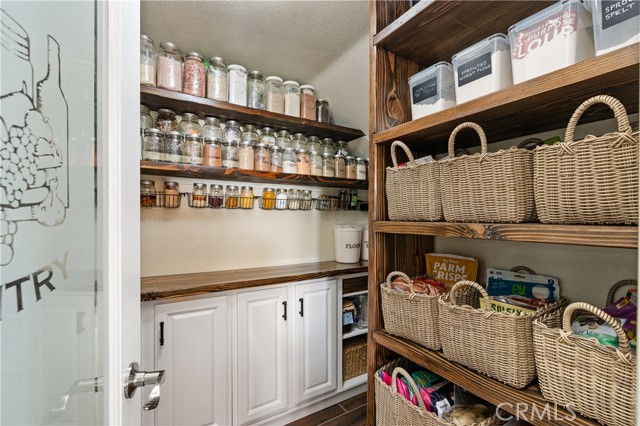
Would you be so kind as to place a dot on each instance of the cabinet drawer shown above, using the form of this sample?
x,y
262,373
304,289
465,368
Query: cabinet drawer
x,y
351,285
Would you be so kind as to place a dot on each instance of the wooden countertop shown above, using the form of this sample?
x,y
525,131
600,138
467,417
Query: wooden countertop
x,y
172,286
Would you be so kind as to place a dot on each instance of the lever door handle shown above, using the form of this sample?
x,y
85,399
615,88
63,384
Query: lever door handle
x,y
137,379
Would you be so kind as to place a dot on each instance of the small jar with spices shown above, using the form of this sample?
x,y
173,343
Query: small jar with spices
x,y
212,152
255,90
172,147
211,128
261,158
268,200
303,163
299,141
246,197
267,136
339,166
307,102
274,94
328,146
246,155
195,75
152,145
231,196
289,160
146,122
217,79
232,132
216,196
283,138
237,84
281,199
341,147
313,143
351,167
230,154
192,149
199,195
276,159
327,165
292,98
171,195
315,160
343,200
306,200
362,168
166,120
293,199
250,134
189,124
147,193
169,66
147,61
323,114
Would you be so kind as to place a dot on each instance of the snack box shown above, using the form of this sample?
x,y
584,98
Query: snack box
x,y
451,268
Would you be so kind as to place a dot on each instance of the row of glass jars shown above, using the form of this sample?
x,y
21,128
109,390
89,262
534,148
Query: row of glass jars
x,y
232,84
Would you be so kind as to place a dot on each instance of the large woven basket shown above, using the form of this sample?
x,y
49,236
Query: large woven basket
x,y
487,187
499,345
614,288
595,380
413,191
593,180
392,409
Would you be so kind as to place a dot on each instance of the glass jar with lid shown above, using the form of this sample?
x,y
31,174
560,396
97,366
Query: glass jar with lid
x,y
299,141
246,155
327,146
267,136
313,143
217,88
231,195
169,66
237,84
212,152
250,134
315,159
147,193
293,199
289,160
343,200
172,147
323,114
166,120
276,159
192,149
261,157
362,168
307,102
303,165
171,195
246,197
350,167
230,154
274,94
232,132
146,122
281,199
189,124
195,75
255,90
268,201
147,61
327,165
283,138
152,145
306,200
341,147
216,196
292,98
339,166
211,128
199,195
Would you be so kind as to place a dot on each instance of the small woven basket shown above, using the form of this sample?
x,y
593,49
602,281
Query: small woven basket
x,y
354,357
413,191
499,345
617,286
593,180
487,187
595,380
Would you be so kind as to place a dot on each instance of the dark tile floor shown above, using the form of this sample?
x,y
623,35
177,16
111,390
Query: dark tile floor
x,y
351,412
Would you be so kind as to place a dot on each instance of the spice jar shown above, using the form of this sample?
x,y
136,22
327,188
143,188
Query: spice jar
x,y
216,196
315,160
146,121
169,64
274,94
327,146
237,84
249,133
261,158
231,196
147,61
192,149
189,124
307,102
232,131
211,128
147,193
289,160
323,114
199,195
283,138
212,152
351,167
339,166
255,90
327,165
361,168
268,201
171,196
293,199
246,156
281,199
166,120
341,147
246,197
303,165
343,200
230,154
299,141
313,143
267,136
292,98
217,88
194,75
276,159
306,200
172,147
152,145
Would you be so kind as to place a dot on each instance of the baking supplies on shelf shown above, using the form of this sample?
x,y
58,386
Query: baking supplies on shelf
x,y
432,90
615,24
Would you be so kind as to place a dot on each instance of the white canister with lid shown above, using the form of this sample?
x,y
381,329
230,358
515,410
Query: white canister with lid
x,y
292,98
347,239
237,84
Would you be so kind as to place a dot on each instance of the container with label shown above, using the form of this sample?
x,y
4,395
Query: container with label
x,y
432,90
274,94
189,124
261,158
230,154
217,77
289,160
237,84
192,149
482,68
347,243
292,98
315,157
327,165
152,145
554,38
361,168
255,90
328,147
147,61
195,75
351,167
616,24
276,159
339,166
212,152
303,165
169,66
172,147
307,102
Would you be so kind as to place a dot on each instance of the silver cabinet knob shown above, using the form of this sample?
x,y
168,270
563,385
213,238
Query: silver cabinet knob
x,y
137,378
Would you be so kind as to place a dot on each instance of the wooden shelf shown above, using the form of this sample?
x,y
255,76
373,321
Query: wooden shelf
x,y
433,31
543,103
222,173
484,387
156,98
355,332
624,236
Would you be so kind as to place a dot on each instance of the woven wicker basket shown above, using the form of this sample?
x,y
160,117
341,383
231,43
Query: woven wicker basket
x,y
392,409
593,180
614,288
499,345
413,191
595,380
487,187
354,357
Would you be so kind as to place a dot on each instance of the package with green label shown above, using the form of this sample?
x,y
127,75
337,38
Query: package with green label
x,y
526,289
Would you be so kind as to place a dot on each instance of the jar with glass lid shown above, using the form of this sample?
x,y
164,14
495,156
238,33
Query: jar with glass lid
x,y
246,155
172,147
268,200
199,195
230,154
192,149
283,138
350,167
166,120
362,168
289,160
292,98
274,94
217,88
339,166
341,147
195,75
307,102
212,152
216,196
231,195
237,84
281,199
315,159
306,200
146,122
293,199
147,193
267,136
261,157
323,114
276,159
147,61
232,132
327,165
152,145
189,124
303,165
299,141
211,128
255,90
171,195
246,197
169,66
327,146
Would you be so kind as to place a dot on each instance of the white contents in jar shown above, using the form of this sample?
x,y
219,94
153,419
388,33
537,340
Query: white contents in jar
x,y
217,85
169,73
237,85
291,99
288,166
147,75
498,78
420,110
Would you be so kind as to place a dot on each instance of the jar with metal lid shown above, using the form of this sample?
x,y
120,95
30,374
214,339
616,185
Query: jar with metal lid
x,y
217,88
231,196
313,143
216,196
315,161
267,136
274,94
339,166
246,197
232,131
146,122
343,200
171,195
303,163
261,157
289,160
327,146
276,159
212,152
169,65
283,138
172,147
362,168
255,90
195,75
323,114
299,141
292,98
192,149
293,199
166,120
189,124
199,195
237,84
152,145
246,156
147,61
351,167
268,201
306,200
327,165
147,193
249,133
281,199
307,102
230,154
341,147
211,128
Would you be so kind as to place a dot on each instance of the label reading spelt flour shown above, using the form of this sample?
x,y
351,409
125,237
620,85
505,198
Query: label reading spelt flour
x,y
562,24
425,90
476,68
615,12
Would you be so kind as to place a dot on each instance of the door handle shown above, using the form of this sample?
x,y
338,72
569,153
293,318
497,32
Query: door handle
x,y
301,306
137,378
284,316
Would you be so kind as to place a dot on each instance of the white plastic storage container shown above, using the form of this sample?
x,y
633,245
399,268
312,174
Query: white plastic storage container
x,y
554,38
432,90
616,24
482,68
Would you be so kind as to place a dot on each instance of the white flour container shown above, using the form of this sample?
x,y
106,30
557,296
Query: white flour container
x,y
348,239
432,90
364,247
616,24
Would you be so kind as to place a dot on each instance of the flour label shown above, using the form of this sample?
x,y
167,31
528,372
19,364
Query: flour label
x,y
561,24
425,90
615,12
476,68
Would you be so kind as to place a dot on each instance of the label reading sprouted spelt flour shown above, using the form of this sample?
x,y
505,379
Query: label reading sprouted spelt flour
x,y
476,68
425,90
562,24
615,12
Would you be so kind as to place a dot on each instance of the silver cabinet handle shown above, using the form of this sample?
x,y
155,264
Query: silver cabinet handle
x,y
137,378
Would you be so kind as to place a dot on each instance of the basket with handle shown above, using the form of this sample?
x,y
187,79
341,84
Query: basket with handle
x,y
617,286
413,191
499,345
593,180
487,187
595,380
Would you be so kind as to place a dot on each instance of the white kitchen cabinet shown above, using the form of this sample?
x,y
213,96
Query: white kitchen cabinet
x,y
192,344
315,370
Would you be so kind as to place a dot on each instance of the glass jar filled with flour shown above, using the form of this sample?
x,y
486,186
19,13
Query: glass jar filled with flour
x,y
147,61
